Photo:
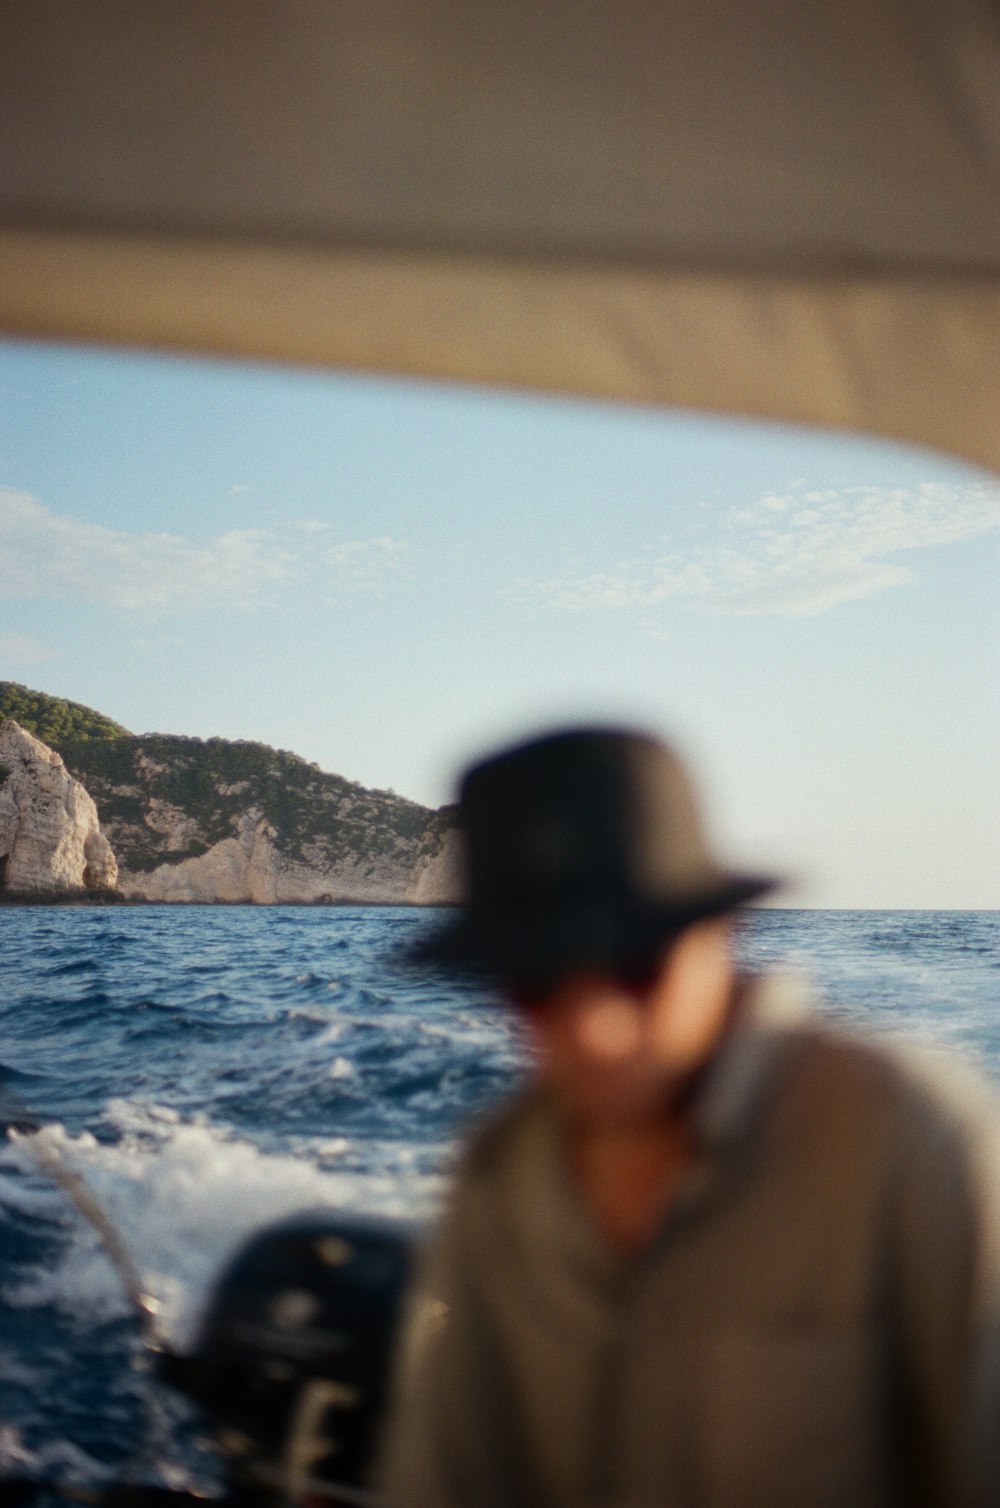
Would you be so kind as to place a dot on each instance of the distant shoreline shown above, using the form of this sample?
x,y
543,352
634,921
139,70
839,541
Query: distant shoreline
x,y
115,898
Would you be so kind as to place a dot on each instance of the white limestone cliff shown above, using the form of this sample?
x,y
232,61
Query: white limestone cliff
x,y
185,830
50,837
241,868
440,880
249,867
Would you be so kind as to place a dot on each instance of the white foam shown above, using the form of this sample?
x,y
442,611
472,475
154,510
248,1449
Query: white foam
x,y
183,1195
332,1033
330,1148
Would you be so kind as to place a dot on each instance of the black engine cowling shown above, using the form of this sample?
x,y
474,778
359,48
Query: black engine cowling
x,y
291,1365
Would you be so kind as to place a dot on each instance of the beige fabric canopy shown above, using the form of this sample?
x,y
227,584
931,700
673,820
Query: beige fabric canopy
x,y
783,208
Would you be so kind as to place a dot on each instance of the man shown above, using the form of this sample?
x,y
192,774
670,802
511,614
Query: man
x,y
716,1253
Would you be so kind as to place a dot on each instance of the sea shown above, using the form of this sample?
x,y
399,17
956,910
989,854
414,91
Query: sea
x,y
202,1071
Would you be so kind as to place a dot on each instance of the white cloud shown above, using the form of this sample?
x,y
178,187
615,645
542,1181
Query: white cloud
x,y
363,563
796,554
43,554
621,587
20,649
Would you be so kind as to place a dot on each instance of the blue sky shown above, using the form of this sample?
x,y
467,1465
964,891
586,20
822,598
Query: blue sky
x,y
389,577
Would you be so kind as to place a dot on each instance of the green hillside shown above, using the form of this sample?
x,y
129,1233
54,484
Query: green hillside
x,y
213,781
162,798
53,719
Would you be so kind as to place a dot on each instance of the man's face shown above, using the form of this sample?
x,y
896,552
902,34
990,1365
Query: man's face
x,y
613,1051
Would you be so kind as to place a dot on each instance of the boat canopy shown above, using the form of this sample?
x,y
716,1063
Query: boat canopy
x,y
785,208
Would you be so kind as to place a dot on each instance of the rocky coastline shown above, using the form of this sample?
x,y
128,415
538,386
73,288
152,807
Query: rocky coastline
x,y
114,818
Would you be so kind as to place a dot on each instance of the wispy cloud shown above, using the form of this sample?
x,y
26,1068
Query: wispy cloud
x,y
20,649
796,553
364,562
44,554
357,564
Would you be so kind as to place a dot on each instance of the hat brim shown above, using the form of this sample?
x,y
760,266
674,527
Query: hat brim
x,y
558,940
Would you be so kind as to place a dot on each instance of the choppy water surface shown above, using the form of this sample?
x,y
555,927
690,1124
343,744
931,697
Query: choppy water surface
x,y
205,1070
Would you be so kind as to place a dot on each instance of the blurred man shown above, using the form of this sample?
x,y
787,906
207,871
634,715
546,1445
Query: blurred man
x,y
717,1253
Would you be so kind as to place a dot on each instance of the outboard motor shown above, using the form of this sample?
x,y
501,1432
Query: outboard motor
x,y
291,1366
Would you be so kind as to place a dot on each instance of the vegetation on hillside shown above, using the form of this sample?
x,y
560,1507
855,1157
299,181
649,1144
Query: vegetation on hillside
x,y
213,782
53,719
162,798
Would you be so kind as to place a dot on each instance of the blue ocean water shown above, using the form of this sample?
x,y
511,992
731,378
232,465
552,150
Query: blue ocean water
x,y
206,1070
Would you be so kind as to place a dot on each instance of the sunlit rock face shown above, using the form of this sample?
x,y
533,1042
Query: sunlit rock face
x,y
50,837
241,868
251,867
203,821
440,879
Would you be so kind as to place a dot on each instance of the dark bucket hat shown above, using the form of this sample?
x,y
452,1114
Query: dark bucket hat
x,y
584,848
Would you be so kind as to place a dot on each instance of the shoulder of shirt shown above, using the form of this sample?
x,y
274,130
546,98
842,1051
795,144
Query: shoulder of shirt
x,y
526,1113
933,1084
924,1076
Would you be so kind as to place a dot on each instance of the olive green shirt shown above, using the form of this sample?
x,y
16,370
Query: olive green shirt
x,y
816,1322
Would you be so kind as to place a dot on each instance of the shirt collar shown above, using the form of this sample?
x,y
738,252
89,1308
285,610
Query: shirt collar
x,y
773,1006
